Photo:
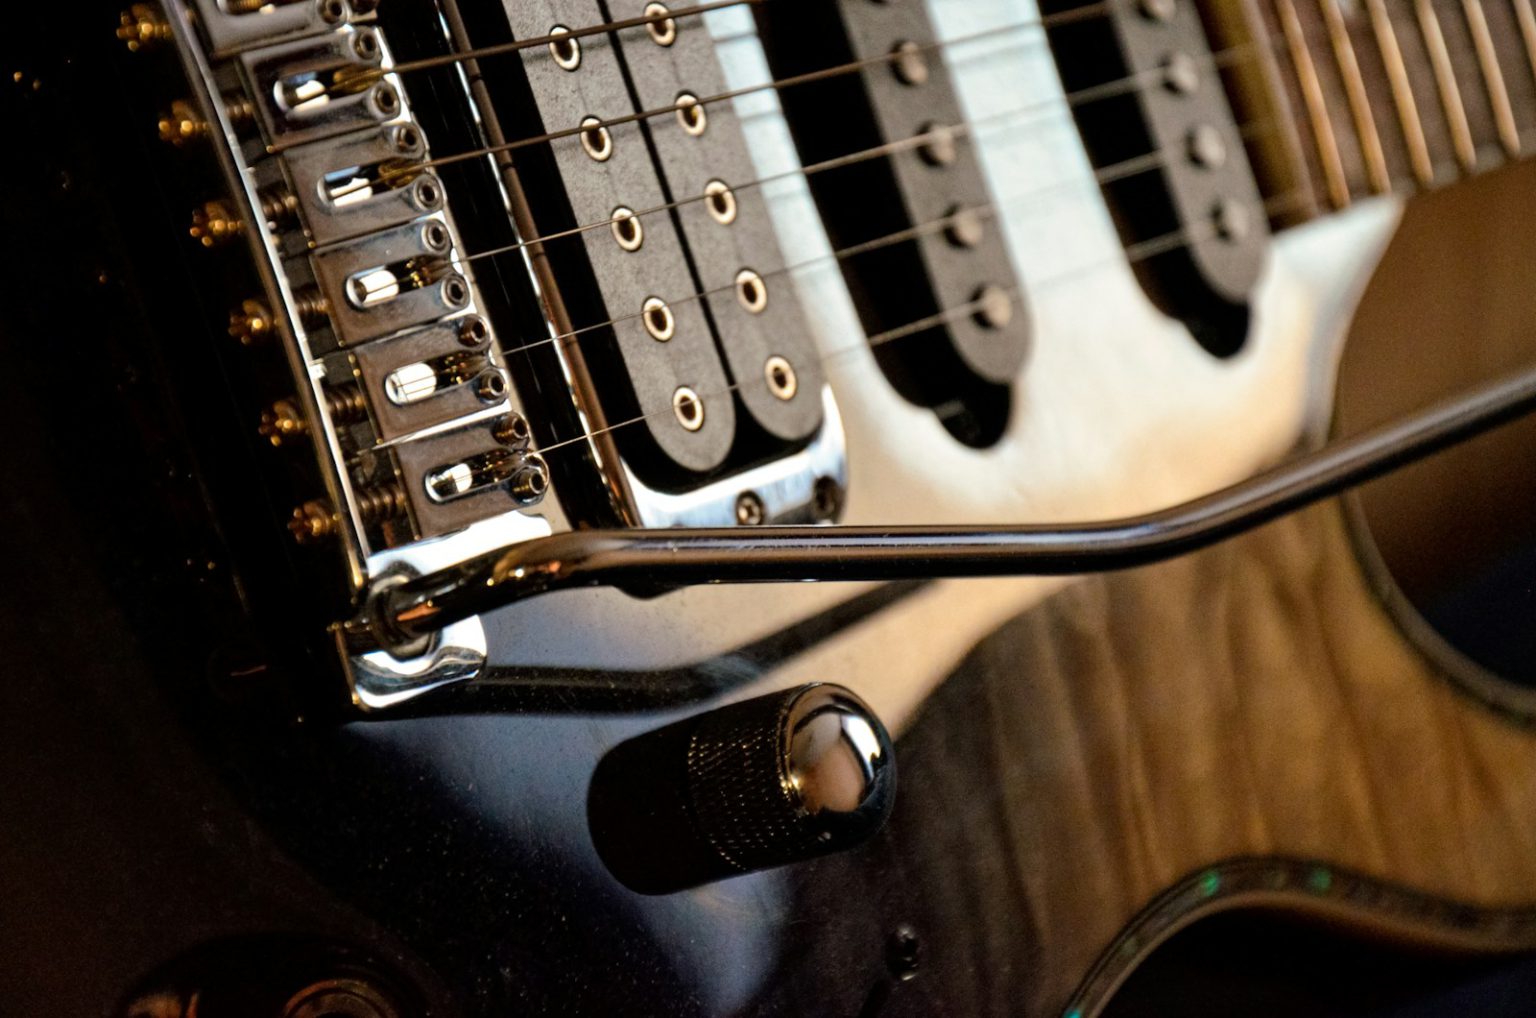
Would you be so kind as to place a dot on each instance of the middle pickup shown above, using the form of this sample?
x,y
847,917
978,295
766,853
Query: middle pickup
x,y
893,168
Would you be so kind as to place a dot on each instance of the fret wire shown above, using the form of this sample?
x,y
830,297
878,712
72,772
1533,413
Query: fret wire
x,y
1355,94
1527,19
1445,82
1493,76
1317,105
1402,93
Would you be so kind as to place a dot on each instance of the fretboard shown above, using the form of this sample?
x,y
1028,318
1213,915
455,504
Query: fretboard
x,y
1372,96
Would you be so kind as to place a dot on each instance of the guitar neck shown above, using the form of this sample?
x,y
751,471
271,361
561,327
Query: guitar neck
x,y
1351,99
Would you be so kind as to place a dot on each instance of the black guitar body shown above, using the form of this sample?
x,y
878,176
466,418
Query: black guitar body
x,y
193,820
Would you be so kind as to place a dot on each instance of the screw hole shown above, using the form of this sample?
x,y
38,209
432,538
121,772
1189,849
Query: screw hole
x,y
456,292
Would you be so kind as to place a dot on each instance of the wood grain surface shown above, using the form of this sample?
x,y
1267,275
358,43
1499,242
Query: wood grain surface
x,y
1252,702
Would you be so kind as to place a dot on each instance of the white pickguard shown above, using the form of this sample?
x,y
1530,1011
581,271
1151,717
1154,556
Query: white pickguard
x,y
1117,411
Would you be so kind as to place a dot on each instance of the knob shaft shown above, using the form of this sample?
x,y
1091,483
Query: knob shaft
x,y
765,782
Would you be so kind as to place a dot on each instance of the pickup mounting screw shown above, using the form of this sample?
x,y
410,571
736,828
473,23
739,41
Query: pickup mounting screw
x,y
664,30
827,498
749,509
214,224
567,52
141,27
1181,76
1158,10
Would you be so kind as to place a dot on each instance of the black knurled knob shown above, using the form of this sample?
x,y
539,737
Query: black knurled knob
x,y
764,782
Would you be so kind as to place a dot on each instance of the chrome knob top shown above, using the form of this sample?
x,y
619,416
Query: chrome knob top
x,y
765,782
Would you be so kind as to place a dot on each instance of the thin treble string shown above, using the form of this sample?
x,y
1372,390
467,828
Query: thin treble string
x,y
967,131
779,84
1132,254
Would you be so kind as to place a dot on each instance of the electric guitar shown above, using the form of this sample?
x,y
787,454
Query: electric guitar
x,y
421,414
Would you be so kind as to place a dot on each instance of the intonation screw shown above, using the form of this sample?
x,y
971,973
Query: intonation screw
x,y
215,224
281,421
141,27
279,206
183,124
251,323
316,520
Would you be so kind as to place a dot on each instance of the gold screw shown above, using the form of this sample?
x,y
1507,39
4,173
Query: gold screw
x,y
182,124
314,521
213,224
281,421
251,323
141,26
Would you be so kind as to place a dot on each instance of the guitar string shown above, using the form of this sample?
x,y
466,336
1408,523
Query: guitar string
x,y
1117,171
779,84
963,131
1129,255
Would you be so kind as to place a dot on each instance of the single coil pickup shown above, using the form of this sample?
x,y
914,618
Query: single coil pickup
x,y
390,281
356,184
1202,185
317,88
906,166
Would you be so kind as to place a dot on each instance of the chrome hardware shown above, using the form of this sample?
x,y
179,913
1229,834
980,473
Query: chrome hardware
x,y
321,87
362,183
391,280
233,26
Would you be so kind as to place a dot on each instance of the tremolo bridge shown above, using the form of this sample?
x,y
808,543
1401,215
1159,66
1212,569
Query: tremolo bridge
x,y
521,274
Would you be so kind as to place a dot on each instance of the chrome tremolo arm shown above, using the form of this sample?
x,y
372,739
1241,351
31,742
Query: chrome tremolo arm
x,y
666,558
